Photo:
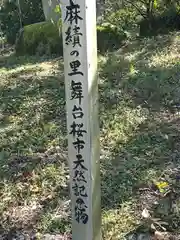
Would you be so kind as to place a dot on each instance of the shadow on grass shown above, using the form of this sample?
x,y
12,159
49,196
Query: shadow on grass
x,y
138,137
139,104
140,161
32,107
134,75
7,60
33,158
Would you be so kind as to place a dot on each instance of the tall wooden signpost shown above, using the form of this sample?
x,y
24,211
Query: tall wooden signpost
x,y
80,66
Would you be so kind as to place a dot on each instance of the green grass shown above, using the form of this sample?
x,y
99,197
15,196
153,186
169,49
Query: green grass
x,y
139,90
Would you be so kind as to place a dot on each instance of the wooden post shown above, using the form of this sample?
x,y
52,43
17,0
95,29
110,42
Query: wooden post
x,y
80,66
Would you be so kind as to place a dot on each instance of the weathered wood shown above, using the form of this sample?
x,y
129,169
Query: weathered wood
x,y
80,67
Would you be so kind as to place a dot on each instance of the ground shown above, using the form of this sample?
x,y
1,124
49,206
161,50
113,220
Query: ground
x,y
139,94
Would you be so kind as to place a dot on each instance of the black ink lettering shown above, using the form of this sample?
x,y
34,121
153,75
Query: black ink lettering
x,y
79,191
79,162
76,36
72,12
79,144
79,176
76,93
80,211
73,38
74,66
68,38
75,52
77,112
77,130
76,41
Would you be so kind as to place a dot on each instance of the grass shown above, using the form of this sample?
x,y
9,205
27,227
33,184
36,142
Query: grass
x,y
139,105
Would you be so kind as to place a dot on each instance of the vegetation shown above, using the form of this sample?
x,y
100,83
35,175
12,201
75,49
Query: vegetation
x,y
148,17
13,17
45,39
109,37
139,105
42,38
139,94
